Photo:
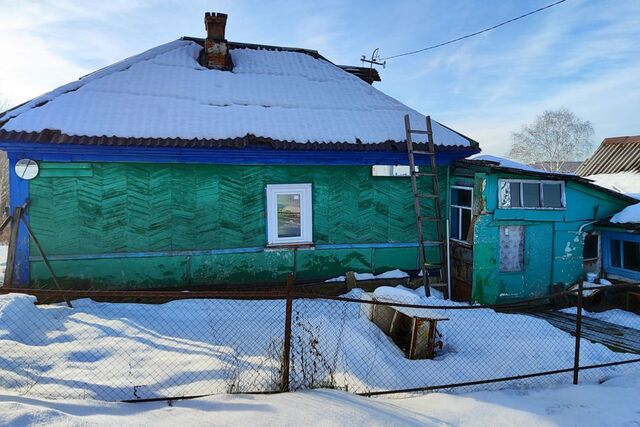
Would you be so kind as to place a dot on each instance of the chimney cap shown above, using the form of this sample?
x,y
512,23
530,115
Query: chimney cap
x,y
215,23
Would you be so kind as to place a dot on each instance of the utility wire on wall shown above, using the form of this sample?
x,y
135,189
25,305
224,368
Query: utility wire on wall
x,y
476,33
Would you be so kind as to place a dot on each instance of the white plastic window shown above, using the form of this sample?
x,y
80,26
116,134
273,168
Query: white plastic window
x,y
289,214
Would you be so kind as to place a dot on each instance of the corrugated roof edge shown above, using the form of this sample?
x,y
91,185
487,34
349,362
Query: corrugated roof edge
x,y
544,174
57,137
613,155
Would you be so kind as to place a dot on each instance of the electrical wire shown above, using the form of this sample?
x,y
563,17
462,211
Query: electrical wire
x,y
476,33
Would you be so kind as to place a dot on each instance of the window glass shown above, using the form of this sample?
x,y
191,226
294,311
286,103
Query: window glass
x,y
552,194
590,250
515,195
465,224
504,194
289,215
614,252
455,223
531,194
460,197
631,252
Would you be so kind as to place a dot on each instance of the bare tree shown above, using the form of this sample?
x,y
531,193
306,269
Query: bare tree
x,y
555,137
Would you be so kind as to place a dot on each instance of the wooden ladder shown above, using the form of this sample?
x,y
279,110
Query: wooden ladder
x,y
433,196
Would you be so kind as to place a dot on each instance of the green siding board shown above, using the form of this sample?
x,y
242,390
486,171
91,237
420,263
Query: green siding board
x,y
133,208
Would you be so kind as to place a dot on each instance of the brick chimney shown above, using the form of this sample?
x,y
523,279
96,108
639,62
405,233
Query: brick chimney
x,y
216,53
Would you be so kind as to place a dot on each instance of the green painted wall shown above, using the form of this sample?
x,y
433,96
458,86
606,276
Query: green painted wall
x,y
102,210
553,246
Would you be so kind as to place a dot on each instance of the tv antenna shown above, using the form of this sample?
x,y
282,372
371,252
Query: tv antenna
x,y
375,60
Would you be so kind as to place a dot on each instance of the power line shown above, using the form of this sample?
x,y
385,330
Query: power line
x,y
476,33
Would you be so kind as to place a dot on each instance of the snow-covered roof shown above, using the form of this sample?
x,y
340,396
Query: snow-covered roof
x,y
506,163
623,182
629,215
165,93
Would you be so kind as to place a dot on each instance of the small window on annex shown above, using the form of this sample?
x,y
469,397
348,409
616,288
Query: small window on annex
x,y
461,212
530,194
289,214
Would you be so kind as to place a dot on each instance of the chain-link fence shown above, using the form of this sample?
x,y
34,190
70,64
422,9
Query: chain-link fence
x,y
146,345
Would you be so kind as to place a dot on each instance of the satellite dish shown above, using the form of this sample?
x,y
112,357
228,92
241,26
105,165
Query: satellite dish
x,y
27,169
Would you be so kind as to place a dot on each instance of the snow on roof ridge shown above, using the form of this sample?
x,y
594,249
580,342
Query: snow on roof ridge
x,y
83,80
281,95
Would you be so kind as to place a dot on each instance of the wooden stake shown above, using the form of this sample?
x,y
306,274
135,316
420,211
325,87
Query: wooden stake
x,y
13,240
46,260
286,347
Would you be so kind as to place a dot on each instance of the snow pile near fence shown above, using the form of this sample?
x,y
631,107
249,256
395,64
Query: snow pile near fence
x,y
391,274
189,347
630,214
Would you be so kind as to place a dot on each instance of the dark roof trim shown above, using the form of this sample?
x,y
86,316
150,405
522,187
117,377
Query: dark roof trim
x,y
542,175
57,137
606,223
241,45
367,74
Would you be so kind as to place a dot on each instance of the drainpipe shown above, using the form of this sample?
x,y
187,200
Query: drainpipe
x,y
585,225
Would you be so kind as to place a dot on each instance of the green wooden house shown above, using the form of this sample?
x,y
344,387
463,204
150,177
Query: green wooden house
x,y
517,231
205,161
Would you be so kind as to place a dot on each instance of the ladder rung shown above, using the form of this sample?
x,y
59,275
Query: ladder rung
x,y
428,196
429,153
437,285
423,173
418,131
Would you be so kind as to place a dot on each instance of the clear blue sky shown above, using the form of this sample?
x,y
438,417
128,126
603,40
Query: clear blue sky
x,y
582,54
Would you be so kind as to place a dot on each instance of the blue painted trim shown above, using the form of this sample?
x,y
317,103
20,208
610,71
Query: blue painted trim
x,y
18,195
607,236
255,249
247,156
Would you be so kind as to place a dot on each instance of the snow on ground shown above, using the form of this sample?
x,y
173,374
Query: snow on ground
x,y
630,214
391,274
112,351
617,316
613,403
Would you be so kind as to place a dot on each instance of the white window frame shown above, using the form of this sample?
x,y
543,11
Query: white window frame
x,y
306,214
534,181
469,208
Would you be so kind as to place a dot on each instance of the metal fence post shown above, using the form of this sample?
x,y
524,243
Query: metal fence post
x,y
576,360
286,347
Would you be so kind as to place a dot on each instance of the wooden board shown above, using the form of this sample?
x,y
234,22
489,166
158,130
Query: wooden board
x,y
617,337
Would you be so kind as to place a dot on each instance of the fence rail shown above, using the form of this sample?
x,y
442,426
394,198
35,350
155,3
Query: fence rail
x,y
149,345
